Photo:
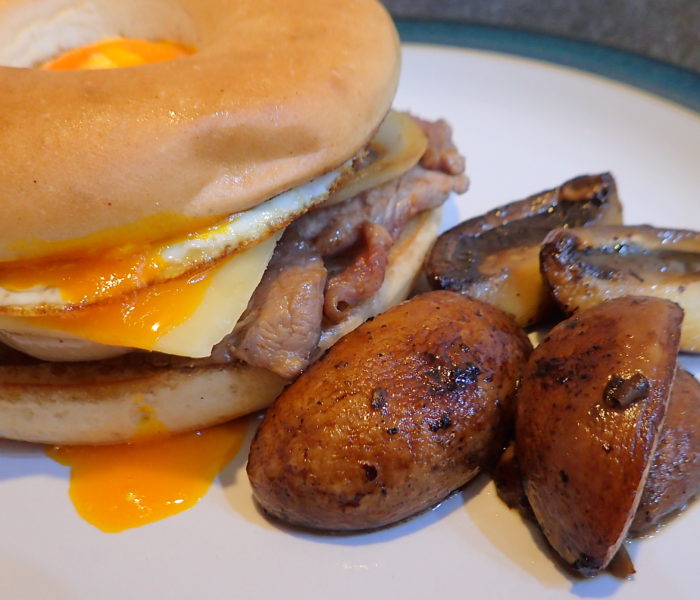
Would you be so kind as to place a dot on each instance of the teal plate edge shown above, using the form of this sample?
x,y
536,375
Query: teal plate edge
x,y
663,79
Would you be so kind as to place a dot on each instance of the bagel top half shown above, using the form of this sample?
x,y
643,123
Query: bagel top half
x,y
275,94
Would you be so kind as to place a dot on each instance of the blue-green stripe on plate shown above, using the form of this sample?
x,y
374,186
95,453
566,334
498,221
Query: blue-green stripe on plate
x,y
663,79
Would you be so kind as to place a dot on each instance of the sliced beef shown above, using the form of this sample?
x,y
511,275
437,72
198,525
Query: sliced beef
x,y
335,257
387,208
441,154
363,277
392,205
282,324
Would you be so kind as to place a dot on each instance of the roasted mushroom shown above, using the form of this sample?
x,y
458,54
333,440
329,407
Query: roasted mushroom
x,y
589,414
584,266
495,257
674,477
398,414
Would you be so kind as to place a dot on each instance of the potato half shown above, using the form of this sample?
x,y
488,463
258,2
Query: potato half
x,y
590,409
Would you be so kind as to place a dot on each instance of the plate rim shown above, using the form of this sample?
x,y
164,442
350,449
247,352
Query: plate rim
x,y
671,82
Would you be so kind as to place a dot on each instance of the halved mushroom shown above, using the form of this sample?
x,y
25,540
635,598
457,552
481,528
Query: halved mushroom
x,y
495,257
674,477
590,410
584,266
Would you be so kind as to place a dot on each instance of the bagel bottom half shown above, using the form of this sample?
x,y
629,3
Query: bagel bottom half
x,y
129,398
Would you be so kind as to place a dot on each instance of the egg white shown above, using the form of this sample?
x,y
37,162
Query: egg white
x,y
238,232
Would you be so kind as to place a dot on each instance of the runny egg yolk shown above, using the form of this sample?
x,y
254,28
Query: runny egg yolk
x,y
124,486
146,314
128,485
85,278
117,53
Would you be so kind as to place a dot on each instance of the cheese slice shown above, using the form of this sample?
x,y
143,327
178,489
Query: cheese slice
x,y
223,303
184,317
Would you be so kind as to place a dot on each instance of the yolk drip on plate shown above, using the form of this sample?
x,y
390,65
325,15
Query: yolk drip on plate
x,y
128,485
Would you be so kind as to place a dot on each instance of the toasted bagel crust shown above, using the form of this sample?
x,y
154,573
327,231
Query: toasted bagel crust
x,y
106,401
275,94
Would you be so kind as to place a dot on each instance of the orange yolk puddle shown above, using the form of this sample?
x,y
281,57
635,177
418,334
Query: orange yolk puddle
x,y
128,485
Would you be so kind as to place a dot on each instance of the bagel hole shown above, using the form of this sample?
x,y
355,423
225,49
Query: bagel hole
x,y
36,31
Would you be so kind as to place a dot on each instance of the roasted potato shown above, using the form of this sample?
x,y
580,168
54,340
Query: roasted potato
x,y
590,409
398,414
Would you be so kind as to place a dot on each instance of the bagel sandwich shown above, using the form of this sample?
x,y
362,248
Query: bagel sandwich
x,y
179,239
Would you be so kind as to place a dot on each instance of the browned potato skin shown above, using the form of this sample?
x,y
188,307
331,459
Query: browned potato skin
x,y
398,414
584,463
674,477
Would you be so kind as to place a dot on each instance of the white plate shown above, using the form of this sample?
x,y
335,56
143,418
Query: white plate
x,y
524,126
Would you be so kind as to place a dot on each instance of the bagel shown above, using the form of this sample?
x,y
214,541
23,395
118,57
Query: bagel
x,y
136,250
276,94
